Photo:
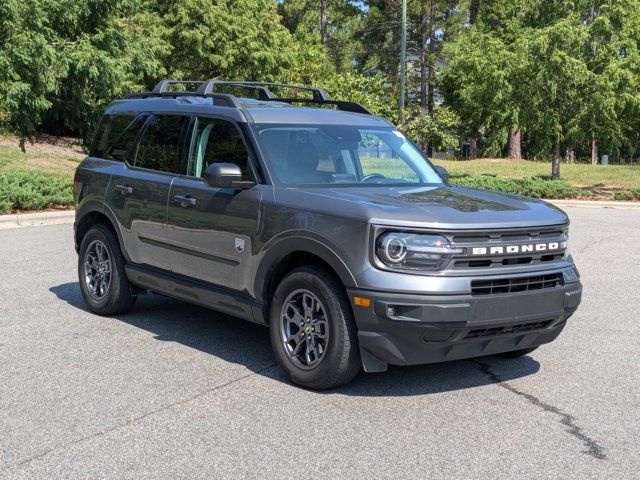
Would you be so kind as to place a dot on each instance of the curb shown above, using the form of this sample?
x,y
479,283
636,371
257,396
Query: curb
x,y
616,204
34,219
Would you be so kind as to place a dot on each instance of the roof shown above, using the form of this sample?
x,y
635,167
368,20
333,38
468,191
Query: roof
x,y
249,110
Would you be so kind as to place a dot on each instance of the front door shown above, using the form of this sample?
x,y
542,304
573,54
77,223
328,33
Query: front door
x,y
212,229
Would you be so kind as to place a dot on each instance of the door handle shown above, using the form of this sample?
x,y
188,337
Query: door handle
x,y
185,200
124,189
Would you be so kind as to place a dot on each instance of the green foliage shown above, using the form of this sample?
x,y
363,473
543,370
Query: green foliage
x,y
61,61
536,187
437,130
559,71
633,194
234,39
371,91
483,84
345,22
27,190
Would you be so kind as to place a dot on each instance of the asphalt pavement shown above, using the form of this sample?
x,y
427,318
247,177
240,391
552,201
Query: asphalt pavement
x,y
172,390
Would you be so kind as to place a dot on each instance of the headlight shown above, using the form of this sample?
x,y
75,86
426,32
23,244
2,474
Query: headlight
x,y
414,251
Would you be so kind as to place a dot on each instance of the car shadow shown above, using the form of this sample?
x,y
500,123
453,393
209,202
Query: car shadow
x,y
245,343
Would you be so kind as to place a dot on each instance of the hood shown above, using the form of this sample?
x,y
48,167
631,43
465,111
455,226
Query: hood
x,y
442,207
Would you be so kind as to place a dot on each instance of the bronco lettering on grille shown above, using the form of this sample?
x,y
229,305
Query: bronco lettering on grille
x,y
511,249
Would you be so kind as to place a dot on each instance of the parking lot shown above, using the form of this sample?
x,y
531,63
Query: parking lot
x,y
176,391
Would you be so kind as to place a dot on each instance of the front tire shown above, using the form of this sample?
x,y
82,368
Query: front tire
x,y
103,282
313,333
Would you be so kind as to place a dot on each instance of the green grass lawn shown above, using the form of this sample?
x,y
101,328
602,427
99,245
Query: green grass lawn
x,y
39,179
615,176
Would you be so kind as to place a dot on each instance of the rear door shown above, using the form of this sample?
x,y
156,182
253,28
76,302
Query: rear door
x,y
212,229
138,193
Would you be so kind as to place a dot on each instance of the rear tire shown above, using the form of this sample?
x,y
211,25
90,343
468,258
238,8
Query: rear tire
x,y
103,282
313,333
516,353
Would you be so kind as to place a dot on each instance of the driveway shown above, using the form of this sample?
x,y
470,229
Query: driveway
x,y
176,391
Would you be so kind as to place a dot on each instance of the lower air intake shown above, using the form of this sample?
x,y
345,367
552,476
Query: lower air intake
x,y
514,285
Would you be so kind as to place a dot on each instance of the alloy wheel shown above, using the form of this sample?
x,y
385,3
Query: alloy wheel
x,y
97,270
304,329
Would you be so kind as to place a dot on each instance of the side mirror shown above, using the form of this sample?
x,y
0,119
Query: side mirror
x,y
443,173
226,175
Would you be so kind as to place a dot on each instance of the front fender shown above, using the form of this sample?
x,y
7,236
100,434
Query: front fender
x,y
298,241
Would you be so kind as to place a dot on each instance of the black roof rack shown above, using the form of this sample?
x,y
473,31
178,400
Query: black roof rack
x,y
207,89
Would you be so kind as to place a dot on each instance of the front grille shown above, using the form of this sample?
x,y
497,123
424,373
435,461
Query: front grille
x,y
513,285
508,238
519,328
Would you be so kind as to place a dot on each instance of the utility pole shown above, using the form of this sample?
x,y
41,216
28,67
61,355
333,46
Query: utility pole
x,y
403,54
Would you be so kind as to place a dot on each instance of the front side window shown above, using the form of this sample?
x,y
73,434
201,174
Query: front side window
x,y
333,155
160,145
216,141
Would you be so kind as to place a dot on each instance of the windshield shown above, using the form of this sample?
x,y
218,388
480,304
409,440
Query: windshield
x,y
332,155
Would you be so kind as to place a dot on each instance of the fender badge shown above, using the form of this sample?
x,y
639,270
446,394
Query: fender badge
x,y
239,245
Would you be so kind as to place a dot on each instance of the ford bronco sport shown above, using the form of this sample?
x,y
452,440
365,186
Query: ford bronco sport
x,y
320,220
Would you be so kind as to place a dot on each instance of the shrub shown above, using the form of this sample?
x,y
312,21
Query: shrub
x,y
633,194
27,190
537,187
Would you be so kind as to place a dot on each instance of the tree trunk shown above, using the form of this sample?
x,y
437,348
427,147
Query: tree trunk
x,y
473,11
423,57
324,34
432,57
515,142
555,161
594,151
570,156
473,148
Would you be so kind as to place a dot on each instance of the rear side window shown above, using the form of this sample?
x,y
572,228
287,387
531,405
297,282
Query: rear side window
x,y
110,128
115,136
160,147
122,148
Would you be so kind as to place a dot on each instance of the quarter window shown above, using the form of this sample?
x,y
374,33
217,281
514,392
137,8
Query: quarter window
x,y
160,146
115,136
216,141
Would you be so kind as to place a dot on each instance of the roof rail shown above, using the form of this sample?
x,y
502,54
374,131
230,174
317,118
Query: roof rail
x,y
218,98
207,88
342,105
163,85
263,88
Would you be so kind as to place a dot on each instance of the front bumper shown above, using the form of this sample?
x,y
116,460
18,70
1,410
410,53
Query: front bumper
x,y
408,329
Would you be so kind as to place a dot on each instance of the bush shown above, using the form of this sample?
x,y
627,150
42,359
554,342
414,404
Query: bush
x,y
27,190
531,187
633,194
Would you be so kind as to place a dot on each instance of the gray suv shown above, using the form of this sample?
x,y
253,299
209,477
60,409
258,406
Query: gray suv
x,y
320,220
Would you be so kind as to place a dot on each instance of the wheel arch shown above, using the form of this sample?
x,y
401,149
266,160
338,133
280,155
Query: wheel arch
x,y
292,253
90,217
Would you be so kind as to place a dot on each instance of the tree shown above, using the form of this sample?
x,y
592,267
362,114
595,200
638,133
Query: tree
x,y
227,38
324,34
62,61
563,82
336,24
435,131
482,84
